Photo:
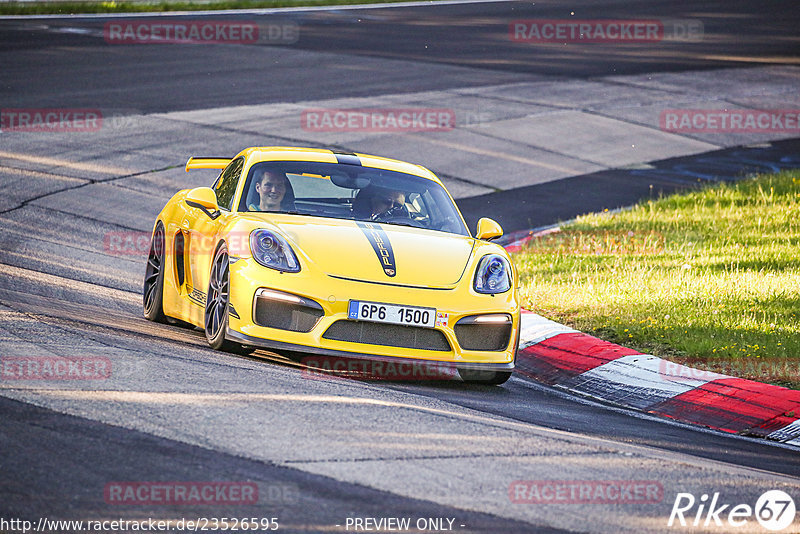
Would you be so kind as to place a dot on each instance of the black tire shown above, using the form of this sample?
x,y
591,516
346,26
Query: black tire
x,y
153,290
217,302
490,378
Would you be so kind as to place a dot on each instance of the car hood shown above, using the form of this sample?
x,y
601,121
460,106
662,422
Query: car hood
x,y
383,253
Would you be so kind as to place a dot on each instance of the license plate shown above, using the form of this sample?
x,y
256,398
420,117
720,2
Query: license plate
x,y
392,313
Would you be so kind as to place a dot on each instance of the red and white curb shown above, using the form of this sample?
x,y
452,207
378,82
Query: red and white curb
x,y
560,356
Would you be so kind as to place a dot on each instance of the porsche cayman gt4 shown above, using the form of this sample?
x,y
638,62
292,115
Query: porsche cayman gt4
x,y
336,254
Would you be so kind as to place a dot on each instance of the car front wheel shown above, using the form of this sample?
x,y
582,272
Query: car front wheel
x,y
153,291
217,303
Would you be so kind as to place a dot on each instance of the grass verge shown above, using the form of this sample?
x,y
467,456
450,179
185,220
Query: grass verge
x,y
708,278
72,8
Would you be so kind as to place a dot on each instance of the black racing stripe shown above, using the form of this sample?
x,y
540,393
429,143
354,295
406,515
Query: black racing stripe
x,y
380,244
347,158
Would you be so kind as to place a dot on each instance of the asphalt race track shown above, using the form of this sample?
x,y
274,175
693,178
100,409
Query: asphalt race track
x,y
387,51
323,451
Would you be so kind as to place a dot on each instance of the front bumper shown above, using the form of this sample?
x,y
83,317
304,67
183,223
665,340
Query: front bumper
x,y
332,295
238,337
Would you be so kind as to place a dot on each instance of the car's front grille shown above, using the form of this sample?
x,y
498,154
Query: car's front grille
x,y
493,334
286,312
390,335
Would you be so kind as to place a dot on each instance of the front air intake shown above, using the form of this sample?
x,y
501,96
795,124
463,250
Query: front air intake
x,y
389,335
284,311
484,332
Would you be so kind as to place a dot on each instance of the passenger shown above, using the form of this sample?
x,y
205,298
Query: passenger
x,y
271,188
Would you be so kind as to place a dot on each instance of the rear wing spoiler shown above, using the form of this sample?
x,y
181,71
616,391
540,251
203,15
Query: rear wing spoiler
x,y
207,163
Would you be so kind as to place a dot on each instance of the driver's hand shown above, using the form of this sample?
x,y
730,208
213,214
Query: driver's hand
x,y
394,211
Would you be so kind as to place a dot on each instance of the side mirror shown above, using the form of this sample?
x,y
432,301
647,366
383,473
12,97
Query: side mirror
x,y
205,199
488,229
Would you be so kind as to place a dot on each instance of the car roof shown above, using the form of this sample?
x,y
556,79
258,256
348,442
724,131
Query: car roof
x,y
321,155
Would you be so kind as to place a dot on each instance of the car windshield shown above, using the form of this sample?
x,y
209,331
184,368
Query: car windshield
x,y
350,192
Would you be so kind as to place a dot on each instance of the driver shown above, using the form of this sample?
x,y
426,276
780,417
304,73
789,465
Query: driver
x,y
386,203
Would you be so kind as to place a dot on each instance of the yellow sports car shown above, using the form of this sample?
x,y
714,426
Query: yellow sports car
x,y
336,254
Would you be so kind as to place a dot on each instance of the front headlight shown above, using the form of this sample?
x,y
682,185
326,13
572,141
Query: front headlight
x,y
493,275
271,250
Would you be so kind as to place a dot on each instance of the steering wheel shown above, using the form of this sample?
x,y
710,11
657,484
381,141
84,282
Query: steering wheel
x,y
395,212
397,215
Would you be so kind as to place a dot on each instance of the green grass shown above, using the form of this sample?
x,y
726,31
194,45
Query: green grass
x,y
709,278
64,8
